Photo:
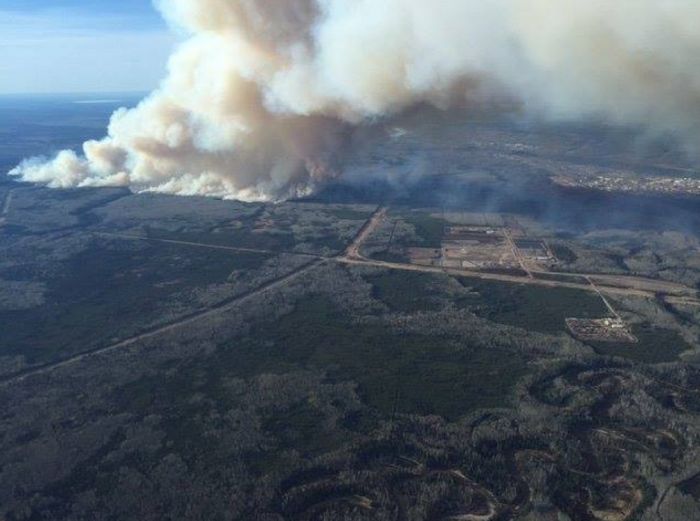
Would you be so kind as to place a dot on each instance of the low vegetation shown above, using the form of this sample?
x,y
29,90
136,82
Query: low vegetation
x,y
656,345
535,308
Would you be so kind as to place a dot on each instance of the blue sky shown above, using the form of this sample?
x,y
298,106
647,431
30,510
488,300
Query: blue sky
x,y
51,46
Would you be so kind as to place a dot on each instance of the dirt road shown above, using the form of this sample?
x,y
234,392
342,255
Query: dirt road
x,y
630,281
204,245
516,252
6,208
605,300
223,306
514,279
610,284
682,301
182,321
353,251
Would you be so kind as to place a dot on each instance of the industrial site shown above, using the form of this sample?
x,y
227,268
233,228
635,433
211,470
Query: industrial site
x,y
505,250
486,248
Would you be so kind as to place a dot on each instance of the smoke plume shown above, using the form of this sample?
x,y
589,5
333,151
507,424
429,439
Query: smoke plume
x,y
262,93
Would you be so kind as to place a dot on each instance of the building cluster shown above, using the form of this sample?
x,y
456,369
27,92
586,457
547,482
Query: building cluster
x,y
620,183
601,330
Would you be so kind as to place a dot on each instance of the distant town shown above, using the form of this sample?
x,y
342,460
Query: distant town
x,y
623,183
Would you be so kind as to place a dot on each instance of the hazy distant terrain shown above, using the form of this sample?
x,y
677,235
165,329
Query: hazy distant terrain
x,y
395,347
41,126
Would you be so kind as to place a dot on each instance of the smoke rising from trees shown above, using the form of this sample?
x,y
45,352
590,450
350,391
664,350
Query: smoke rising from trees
x,y
262,94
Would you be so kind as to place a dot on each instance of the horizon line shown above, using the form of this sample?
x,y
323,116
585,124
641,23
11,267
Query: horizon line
x,y
77,93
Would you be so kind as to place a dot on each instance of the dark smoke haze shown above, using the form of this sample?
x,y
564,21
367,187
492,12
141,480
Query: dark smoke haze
x,y
262,94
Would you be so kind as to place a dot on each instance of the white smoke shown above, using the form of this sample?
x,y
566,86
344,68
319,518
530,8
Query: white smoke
x,y
262,92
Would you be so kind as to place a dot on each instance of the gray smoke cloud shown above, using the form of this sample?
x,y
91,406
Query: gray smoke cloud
x,y
261,94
